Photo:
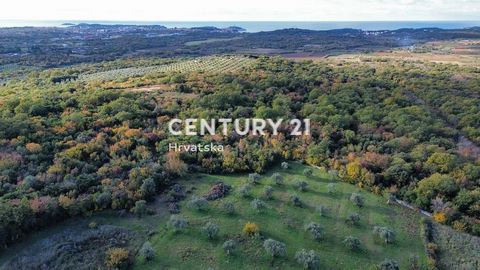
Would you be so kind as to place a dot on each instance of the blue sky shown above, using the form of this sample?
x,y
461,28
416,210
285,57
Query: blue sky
x,y
240,10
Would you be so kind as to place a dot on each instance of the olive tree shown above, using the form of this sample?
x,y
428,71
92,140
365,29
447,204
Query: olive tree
x,y
254,178
315,230
230,246
352,243
277,178
357,199
384,233
275,248
308,259
211,230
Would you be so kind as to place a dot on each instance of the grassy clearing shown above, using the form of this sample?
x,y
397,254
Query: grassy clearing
x,y
284,222
210,64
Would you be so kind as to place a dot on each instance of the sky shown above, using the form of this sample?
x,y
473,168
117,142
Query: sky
x,y
241,10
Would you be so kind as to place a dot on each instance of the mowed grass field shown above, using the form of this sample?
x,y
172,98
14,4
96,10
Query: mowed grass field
x,y
282,221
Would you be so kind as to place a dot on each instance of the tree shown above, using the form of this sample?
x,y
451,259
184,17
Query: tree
x,y
230,246
357,199
308,259
315,230
353,219
174,165
442,162
148,188
296,201
435,185
104,200
352,243
211,230
250,229
384,233
258,205
140,208
245,191
177,223
117,258
277,178
308,172
198,203
275,248
268,192
331,188
228,207
147,252
322,210
254,178
302,185
285,165
388,264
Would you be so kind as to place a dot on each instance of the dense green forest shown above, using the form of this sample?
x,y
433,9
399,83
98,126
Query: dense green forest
x,y
69,146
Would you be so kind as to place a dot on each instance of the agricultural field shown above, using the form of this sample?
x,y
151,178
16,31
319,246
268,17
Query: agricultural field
x,y
280,220
209,64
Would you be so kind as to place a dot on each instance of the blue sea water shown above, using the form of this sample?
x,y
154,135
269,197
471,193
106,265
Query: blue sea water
x,y
257,26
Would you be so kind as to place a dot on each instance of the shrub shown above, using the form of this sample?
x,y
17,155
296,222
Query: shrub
x,y
331,188
117,258
228,207
258,205
230,246
140,208
250,228
285,165
245,191
277,178
296,201
268,192
93,225
384,233
211,230
322,210
302,185
357,199
104,200
388,264
315,230
439,217
177,223
254,178
352,243
308,259
353,219
198,203
308,172
275,248
147,252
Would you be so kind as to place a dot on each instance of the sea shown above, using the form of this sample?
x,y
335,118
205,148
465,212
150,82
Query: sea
x,y
258,26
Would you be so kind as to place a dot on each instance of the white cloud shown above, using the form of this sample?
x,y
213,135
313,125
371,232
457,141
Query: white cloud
x,y
218,10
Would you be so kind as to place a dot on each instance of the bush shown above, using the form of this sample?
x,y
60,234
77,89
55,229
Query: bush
x,y
147,252
228,207
315,230
302,185
268,192
117,258
331,188
285,165
250,229
308,259
245,191
140,208
275,248
296,201
198,203
308,172
211,230
277,178
254,178
93,225
384,233
230,246
353,219
322,210
177,223
352,243
258,205
388,264
357,199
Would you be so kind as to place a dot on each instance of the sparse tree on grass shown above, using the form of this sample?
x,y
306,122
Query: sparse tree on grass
x,y
296,201
211,230
245,191
388,264
353,219
331,188
285,165
308,259
322,210
384,233
308,172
